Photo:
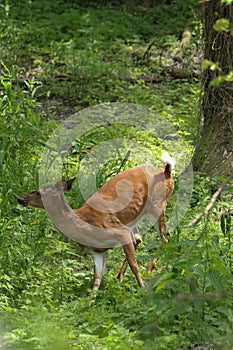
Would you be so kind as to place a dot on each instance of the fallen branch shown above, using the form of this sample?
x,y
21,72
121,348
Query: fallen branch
x,y
146,53
210,204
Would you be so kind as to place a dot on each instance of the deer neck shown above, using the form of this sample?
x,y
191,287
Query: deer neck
x,y
62,216
71,224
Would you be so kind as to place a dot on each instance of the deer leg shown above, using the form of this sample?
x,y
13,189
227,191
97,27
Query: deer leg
x,y
100,260
163,238
136,240
122,270
162,230
151,266
131,259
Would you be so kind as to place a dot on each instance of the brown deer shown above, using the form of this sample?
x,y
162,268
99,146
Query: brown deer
x,y
109,217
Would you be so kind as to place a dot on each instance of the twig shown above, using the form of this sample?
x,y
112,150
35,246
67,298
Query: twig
x,y
146,53
210,204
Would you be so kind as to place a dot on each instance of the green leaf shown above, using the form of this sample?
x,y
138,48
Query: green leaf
x,y
215,279
223,224
228,2
222,24
163,281
221,78
211,65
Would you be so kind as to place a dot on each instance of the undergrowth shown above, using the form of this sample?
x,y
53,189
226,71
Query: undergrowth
x,y
57,60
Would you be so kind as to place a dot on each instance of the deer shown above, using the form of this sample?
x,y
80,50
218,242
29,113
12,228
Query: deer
x,y
111,215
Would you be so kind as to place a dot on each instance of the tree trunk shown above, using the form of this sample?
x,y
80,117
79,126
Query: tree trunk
x,y
214,152
130,4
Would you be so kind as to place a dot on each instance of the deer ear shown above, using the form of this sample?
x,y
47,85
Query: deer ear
x,y
67,184
58,186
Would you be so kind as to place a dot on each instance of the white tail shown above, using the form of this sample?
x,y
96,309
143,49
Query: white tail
x,y
166,159
111,214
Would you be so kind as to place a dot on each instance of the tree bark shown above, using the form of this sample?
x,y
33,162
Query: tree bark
x,y
214,152
130,4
